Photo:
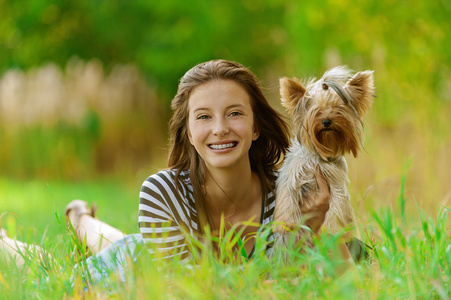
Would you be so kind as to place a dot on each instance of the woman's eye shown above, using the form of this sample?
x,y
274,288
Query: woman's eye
x,y
235,113
202,117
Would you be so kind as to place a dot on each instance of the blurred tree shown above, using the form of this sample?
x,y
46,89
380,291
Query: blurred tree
x,y
164,38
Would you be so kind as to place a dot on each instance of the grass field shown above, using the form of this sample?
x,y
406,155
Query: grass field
x,y
399,190
30,207
411,257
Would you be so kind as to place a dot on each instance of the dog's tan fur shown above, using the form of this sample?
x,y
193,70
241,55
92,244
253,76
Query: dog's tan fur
x,y
343,100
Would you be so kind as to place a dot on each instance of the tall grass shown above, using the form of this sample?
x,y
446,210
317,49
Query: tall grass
x,y
409,260
28,208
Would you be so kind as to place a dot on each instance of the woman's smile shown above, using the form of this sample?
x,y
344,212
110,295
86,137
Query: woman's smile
x,y
221,118
222,146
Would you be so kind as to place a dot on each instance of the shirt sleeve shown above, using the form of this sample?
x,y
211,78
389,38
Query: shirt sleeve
x,y
159,217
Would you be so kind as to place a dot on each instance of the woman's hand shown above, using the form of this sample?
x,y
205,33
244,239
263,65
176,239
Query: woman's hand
x,y
318,205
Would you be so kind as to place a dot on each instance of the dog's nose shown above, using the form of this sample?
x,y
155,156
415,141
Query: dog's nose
x,y
327,123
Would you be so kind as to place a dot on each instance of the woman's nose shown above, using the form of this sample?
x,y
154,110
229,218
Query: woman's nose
x,y
221,128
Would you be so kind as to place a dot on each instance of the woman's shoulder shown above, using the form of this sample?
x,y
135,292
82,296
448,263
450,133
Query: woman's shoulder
x,y
170,173
167,187
168,177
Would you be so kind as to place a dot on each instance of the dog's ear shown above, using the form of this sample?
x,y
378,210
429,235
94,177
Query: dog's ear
x,y
291,91
361,90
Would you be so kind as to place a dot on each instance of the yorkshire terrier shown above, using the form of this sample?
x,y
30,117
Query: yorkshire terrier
x,y
327,124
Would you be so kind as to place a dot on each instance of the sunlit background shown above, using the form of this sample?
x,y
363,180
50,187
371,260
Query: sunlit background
x,y
85,88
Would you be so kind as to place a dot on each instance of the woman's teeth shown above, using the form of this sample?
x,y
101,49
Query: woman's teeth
x,y
222,146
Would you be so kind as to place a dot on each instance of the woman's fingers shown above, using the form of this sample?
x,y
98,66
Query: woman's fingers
x,y
322,183
323,195
318,204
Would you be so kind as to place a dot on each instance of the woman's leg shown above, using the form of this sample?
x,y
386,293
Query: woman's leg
x,y
98,234
16,250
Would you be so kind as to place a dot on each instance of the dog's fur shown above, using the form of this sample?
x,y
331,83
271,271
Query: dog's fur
x,y
327,124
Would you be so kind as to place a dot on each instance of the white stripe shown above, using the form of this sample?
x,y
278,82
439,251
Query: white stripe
x,y
163,214
169,256
169,248
152,251
163,240
271,205
152,199
159,229
267,220
193,225
182,262
151,220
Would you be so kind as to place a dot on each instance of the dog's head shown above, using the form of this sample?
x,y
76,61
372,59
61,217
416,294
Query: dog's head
x,y
327,113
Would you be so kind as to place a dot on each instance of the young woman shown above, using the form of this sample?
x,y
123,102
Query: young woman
x,y
226,143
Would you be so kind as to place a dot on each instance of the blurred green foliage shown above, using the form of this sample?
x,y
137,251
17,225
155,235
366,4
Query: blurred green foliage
x,y
165,38
406,42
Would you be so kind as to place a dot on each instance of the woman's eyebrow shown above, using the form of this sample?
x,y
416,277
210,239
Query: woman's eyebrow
x,y
200,108
238,105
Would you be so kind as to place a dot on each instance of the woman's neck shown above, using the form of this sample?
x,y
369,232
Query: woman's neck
x,y
232,191
234,198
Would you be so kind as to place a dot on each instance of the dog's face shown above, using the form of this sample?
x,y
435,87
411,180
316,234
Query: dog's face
x,y
327,115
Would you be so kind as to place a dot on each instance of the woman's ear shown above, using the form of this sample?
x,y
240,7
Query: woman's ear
x,y
188,132
190,137
255,134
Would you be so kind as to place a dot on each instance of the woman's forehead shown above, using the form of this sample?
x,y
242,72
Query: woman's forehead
x,y
218,93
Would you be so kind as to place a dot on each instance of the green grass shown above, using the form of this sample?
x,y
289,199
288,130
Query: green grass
x,y
29,208
408,261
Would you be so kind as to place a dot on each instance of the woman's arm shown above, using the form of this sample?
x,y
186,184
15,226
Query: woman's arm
x,y
159,226
317,208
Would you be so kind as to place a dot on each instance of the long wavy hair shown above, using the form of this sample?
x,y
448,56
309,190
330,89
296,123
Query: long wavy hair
x,y
265,153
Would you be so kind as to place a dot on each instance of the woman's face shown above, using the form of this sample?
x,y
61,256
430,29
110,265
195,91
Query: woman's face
x,y
221,124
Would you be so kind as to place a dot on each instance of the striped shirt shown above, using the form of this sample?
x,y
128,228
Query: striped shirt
x,y
167,207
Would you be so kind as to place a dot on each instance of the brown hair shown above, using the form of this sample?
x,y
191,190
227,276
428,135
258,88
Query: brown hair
x,y
265,152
